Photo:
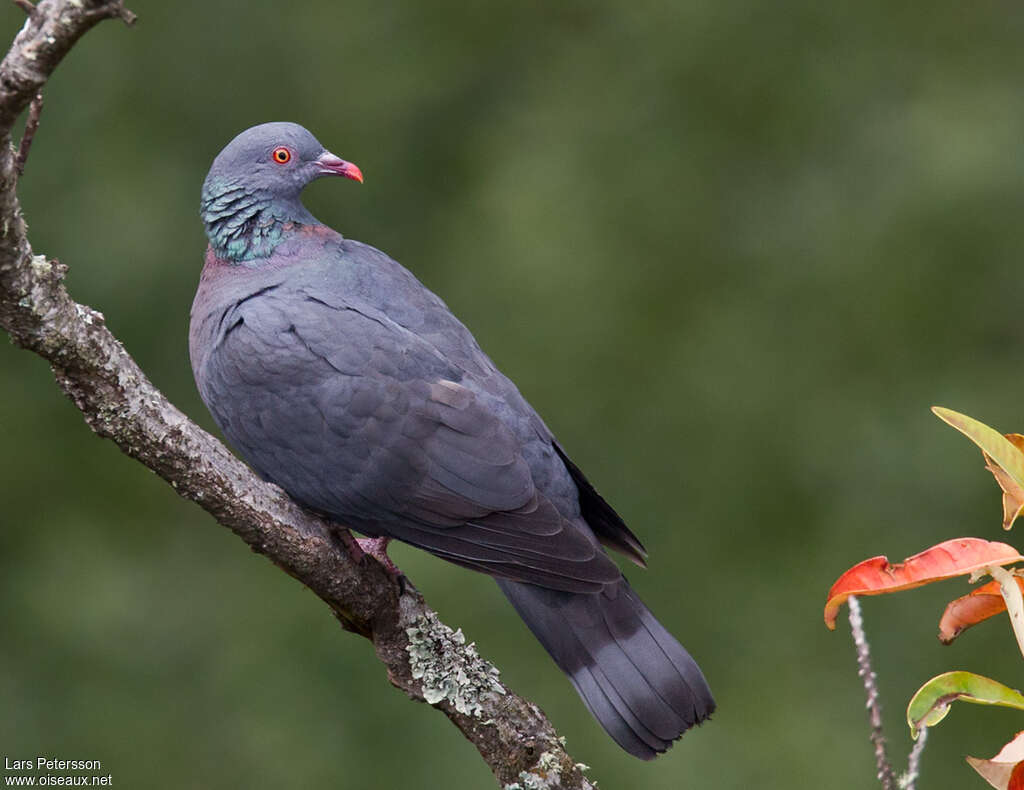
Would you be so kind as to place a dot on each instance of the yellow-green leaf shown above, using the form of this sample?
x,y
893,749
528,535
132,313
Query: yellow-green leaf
x,y
931,703
1003,454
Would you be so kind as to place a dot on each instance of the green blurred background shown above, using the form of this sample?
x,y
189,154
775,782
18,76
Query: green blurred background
x,y
732,252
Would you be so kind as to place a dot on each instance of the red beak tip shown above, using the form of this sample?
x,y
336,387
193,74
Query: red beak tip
x,y
331,164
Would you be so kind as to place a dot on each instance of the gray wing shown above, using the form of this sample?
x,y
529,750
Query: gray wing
x,y
360,418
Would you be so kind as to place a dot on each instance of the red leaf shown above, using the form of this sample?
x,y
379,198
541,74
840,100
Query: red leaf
x,y
967,610
952,558
979,604
1016,778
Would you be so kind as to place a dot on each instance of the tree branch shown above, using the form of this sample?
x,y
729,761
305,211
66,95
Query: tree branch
x,y
35,109
25,5
422,656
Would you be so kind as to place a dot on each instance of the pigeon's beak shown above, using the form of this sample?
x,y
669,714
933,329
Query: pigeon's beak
x,y
331,165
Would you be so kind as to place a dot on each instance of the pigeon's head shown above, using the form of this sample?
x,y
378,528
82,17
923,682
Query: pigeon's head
x,y
275,158
256,181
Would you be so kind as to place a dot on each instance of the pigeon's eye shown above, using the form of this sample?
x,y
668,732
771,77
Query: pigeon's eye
x,y
281,155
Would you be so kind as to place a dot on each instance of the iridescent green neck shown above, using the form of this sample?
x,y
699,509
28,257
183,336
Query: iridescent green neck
x,y
245,225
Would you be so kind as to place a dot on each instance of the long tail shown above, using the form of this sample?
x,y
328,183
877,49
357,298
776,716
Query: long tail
x,y
636,679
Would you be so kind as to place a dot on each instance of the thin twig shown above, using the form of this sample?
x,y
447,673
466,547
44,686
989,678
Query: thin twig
x,y
867,674
35,109
126,15
25,5
909,780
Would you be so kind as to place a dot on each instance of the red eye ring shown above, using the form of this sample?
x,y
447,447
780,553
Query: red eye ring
x,y
281,155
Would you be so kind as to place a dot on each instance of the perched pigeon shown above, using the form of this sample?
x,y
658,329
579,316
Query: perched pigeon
x,y
337,375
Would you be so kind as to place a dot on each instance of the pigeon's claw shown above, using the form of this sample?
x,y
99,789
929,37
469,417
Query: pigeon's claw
x,y
378,549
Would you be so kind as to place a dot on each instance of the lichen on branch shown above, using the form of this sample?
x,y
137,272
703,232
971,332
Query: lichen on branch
x,y
448,668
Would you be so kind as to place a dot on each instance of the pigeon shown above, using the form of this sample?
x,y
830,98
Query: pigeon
x,y
340,377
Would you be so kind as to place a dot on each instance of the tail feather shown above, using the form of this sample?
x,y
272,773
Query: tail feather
x,y
635,678
639,662
612,713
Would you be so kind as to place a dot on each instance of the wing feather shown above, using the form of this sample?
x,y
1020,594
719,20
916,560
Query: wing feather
x,y
368,422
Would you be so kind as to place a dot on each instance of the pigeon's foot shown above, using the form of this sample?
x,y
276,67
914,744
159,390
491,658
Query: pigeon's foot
x,y
378,549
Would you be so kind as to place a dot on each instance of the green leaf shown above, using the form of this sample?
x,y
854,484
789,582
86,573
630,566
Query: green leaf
x,y
931,703
994,444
